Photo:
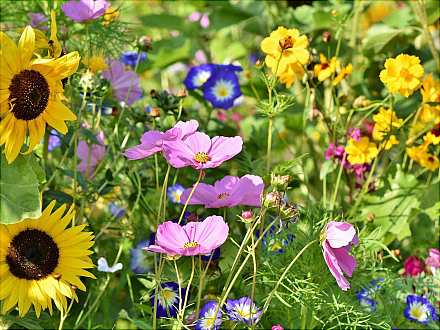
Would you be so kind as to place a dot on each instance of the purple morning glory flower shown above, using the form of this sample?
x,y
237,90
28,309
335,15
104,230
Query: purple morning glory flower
x,y
243,310
419,309
85,10
207,318
130,58
174,193
168,299
222,88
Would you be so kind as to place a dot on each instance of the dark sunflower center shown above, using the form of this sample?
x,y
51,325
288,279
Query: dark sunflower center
x,y
32,255
29,94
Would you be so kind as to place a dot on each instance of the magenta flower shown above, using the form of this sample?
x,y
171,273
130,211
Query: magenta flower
x,y
413,266
227,192
334,151
124,82
153,141
200,152
85,10
433,260
194,238
339,236
354,133
90,156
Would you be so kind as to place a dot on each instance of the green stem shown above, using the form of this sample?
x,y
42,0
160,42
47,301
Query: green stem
x,y
269,143
190,195
156,289
188,287
338,180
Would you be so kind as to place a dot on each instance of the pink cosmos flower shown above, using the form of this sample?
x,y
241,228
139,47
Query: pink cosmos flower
x,y
277,327
227,192
124,82
433,260
413,266
200,151
90,156
339,237
153,141
194,238
85,10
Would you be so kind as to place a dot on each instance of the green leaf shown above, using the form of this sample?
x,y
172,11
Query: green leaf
x,y
378,36
226,16
19,195
164,21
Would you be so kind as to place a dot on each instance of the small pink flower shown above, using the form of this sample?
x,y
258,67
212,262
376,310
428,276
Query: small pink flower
x,y
200,151
354,133
222,116
433,260
194,238
85,10
200,57
227,192
413,266
204,21
277,327
194,17
90,156
339,237
152,141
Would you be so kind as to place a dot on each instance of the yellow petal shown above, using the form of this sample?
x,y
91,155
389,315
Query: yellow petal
x,y
16,140
60,111
59,125
36,132
54,45
9,54
26,45
60,68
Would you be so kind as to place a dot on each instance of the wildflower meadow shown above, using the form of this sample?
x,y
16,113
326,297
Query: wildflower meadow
x,y
217,165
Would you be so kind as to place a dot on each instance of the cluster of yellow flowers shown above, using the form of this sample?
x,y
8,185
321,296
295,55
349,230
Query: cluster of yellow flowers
x,y
384,121
421,153
328,68
286,54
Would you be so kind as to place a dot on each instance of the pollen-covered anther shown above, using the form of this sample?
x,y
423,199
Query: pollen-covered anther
x,y
223,195
286,43
189,245
202,157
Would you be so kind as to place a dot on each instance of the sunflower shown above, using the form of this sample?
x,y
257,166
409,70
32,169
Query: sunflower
x,y
41,261
31,93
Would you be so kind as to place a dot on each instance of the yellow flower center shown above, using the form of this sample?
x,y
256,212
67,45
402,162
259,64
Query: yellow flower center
x,y
189,245
286,43
202,157
222,195
222,91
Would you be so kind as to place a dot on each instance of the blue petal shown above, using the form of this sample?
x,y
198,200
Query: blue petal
x,y
222,77
192,82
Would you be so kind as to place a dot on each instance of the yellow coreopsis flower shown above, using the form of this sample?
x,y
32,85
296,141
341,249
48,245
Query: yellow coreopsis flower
x,y
31,93
402,74
430,138
342,74
361,152
429,161
415,153
388,143
95,63
326,68
293,72
285,47
384,121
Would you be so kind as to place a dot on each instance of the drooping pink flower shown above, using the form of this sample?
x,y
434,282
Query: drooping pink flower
x,y
339,237
433,260
153,141
124,82
194,238
200,151
413,266
227,192
85,10
90,155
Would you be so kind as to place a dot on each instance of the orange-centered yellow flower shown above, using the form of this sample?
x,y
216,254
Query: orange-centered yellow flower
x,y
285,47
384,121
402,74
326,68
361,152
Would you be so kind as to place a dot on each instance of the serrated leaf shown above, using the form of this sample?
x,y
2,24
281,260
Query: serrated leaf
x,y
19,195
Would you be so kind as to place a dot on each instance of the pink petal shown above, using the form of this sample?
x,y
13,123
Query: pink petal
x,y
334,268
183,129
339,234
211,233
204,194
226,184
171,237
138,152
345,261
152,139
198,142
158,249
224,148
248,191
178,154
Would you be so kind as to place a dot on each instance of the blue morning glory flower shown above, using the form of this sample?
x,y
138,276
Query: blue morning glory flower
x,y
275,242
207,318
198,75
130,58
243,310
215,255
54,140
174,193
365,296
419,309
222,88
168,299
116,211
141,262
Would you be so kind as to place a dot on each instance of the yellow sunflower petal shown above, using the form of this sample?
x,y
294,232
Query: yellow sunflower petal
x,y
36,132
59,68
26,46
9,55
58,124
13,147
60,111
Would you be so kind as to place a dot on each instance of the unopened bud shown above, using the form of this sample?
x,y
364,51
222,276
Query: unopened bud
x,y
145,43
370,217
289,212
360,102
182,93
326,36
247,216
279,182
272,199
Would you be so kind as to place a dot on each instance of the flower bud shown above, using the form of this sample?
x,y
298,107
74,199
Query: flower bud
x,y
247,216
272,199
144,43
279,182
326,36
360,102
289,212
